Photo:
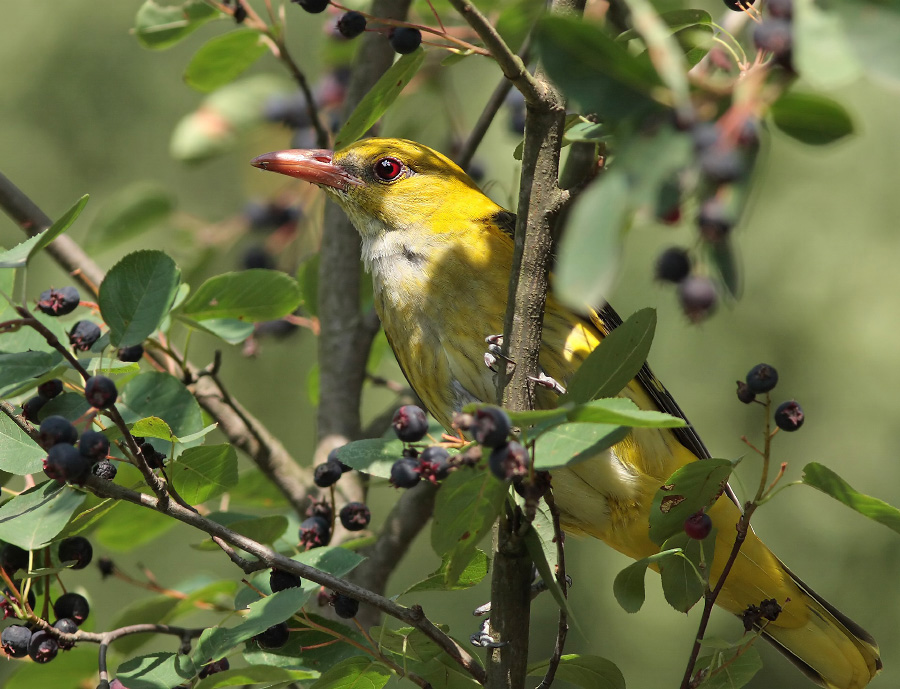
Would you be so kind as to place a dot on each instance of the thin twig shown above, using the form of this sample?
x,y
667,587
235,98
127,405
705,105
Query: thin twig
x,y
562,629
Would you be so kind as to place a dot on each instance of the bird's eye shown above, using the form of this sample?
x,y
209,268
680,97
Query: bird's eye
x,y
388,169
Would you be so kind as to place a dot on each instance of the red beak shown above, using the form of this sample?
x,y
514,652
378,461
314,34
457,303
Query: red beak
x,y
314,166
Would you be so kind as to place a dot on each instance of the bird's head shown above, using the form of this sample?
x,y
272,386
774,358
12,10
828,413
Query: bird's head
x,y
387,184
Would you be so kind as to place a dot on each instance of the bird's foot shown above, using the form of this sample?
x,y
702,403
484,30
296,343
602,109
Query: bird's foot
x,y
483,639
546,381
494,353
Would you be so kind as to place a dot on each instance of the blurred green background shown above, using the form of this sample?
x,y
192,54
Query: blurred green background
x,y
84,109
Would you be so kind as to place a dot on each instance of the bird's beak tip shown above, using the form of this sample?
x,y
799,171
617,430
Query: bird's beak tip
x,y
315,166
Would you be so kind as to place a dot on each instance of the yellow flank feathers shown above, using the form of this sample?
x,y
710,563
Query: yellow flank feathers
x,y
440,254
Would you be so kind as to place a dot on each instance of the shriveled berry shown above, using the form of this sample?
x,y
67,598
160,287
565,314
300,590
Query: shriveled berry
x,y
751,617
405,473
698,525
345,606
59,302
404,39
762,378
492,427
775,35
351,24
673,265
94,445
32,407
105,470
333,457
714,220
100,392
55,430
698,297
106,566
42,648
738,5
15,639
131,354
76,549
213,667
327,474
66,626
72,605
508,461
279,580
789,416
65,463
13,558
83,335
314,532
410,423
770,609
721,165
275,636
320,508
355,516
50,388
744,393
312,6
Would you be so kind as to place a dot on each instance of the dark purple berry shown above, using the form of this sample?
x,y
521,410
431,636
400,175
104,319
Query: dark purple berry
x,y
83,335
55,430
508,461
50,388
66,626
131,354
100,392
76,549
748,137
106,566
72,605
435,463
9,599
783,9
213,667
257,257
327,474
279,580
673,265
410,423
355,516
405,40
698,525
351,25
320,508
744,393
721,165
774,35
13,558
42,648
738,5
345,606
59,302
789,416
705,135
714,220
405,473
275,636
154,458
698,297
333,457
239,14
32,407
15,639
312,6
314,532
105,470
770,609
94,445
492,427
65,463
762,378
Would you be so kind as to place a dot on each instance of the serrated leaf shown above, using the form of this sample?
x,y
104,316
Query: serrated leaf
x,y
359,672
33,518
376,102
152,671
824,479
570,443
19,454
249,295
628,586
155,393
623,412
152,427
475,571
19,255
730,670
203,473
811,118
373,456
692,488
223,59
19,367
136,294
158,27
587,671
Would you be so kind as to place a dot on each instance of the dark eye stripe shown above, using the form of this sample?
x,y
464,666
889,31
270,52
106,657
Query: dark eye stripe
x,y
388,169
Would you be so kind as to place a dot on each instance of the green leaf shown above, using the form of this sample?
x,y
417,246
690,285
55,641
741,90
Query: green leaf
x,y
75,668
473,573
623,412
19,454
130,212
69,405
587,671
159,394
32,519
230,330
872,28
725,262
824,479
359,672
811,118
570,443
158,27
467,504
592,242
821,51
538,549
136,294
310,650
379,98
628,586
730,670
693,487
373,456
255,674
19,367
249,295
681,581
203,473
130,526
152,427
152,671
676,20
223,59
19,255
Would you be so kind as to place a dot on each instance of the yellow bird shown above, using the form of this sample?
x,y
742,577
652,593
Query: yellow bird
x,y
434,242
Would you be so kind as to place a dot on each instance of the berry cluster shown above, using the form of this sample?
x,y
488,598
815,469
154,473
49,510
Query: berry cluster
x,y
67,463
316,529
774,34
404,39
432,463
762,379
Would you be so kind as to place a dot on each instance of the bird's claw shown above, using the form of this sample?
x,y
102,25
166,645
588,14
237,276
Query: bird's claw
x,y
548,382
540,586
494,352
482,610
483,639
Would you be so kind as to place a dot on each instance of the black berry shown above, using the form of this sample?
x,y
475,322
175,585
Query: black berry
x,y
492,427
333,457
105,470
508,461
351,25
72,605
314,532
94,445
55,430
435,462
698,297
76,549
770,609
83,335
14,640
65,463
738,5
721,165
714,220
279,580
705,135
13,558
50,388
66,626
239,14
410,423
327,474
673,265
762,378
32,406
355,516
744,393
789,416
312,6
345,606
405,473
132,353
275,636
42,648
100,392
320,508
59,302
774,35
106,566
405,40
257,257
698,525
